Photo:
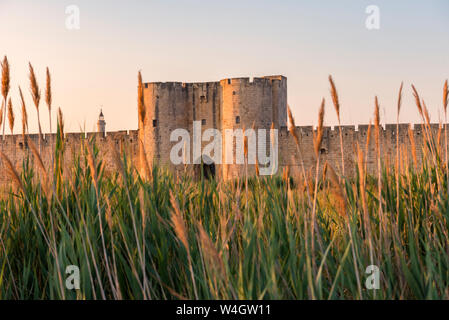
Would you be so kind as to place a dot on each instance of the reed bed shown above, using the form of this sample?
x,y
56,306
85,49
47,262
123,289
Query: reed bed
x,y
157,236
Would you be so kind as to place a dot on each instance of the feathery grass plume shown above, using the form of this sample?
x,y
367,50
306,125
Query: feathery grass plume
x,y
140,99
336,190
5,87
24,114
318,138
400,99
377,123
36,95
335,100
334,95
292,127
178,222
210,252
11,117
413,145
61,123
12,171
48,98
180,228
34,87
417,101
5,78
144,161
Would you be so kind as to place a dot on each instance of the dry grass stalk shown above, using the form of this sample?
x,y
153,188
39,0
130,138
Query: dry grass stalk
x,y
143,212
445,96
334,95
335,100
245,146
140,99
256,165
273,141
377,124
417,101
37,157
92,164
400,99
336,190
368,140
45,177
445,102
36,95
34,87
292,127
292,130
24,114
61,124
180,228
178,223
5,87
426,112
11,116
48,97
5,78
285,174
12,171
413,145
397,145
210,252
117,160
318,137
144,161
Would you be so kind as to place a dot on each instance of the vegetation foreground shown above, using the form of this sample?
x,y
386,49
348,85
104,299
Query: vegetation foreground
x,y
167,238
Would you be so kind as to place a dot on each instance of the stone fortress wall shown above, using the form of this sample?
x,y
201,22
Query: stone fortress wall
x,y
227,104
16,149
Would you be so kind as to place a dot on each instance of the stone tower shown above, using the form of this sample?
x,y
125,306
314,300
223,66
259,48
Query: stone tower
x,y
237,103
101,124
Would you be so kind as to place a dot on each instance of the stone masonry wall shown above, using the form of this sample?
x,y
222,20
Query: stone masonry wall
x,y
17,150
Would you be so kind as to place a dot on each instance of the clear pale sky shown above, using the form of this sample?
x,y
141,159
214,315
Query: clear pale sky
x,y
210,40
